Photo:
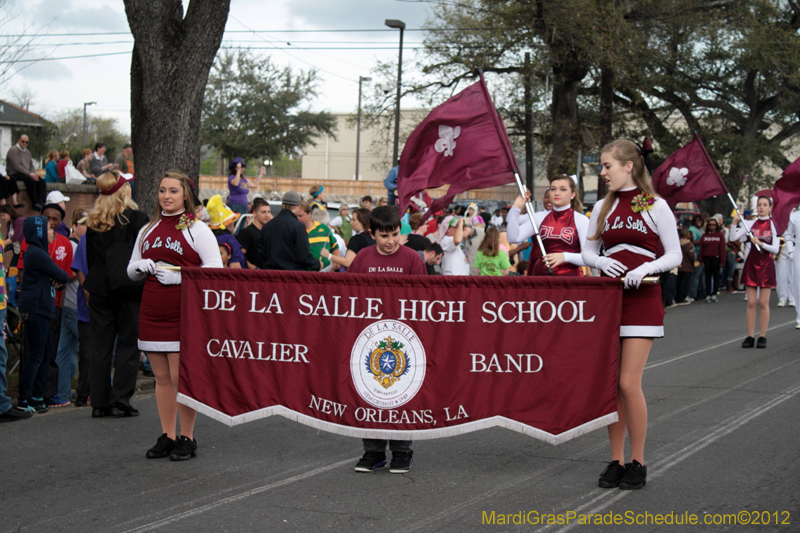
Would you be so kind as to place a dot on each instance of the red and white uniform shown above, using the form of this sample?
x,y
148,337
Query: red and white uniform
x,y
759,268
160,313
633,239
562,231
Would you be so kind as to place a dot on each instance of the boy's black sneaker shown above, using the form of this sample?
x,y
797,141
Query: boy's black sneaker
x,y
401,462
635,478
38,405
749,342
612,475
164,446
371,461
184,449
16,413
762,342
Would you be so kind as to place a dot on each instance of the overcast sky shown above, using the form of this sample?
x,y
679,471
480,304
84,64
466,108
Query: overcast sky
x,y
87,27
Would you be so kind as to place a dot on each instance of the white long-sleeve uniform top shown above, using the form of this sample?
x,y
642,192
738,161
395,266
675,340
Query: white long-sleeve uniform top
x,y
519,229
658,218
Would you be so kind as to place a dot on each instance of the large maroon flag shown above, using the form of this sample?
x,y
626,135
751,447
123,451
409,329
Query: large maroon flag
x,y
402,357
688,175
786,196
461,143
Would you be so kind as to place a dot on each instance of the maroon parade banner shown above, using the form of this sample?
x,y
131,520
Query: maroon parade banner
x,y
402,357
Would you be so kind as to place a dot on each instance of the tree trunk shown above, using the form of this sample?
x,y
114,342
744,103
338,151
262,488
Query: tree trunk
x,y
566,135
172,56
606,117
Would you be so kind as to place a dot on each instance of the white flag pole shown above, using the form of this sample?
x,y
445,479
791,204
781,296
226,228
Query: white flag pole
x,y
529,209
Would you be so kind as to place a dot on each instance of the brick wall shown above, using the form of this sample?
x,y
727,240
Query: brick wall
x,y
80,196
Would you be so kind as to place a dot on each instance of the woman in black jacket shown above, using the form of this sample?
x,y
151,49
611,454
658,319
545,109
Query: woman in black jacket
x,y
113,300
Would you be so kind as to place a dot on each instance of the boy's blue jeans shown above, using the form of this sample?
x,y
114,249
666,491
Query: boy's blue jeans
x,y
67,353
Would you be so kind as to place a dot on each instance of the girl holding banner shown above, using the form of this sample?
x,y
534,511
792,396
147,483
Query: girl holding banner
x,y
759,268
630,224
174,238
563,229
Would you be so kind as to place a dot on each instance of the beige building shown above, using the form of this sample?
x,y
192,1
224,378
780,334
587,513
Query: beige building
x,y
335,159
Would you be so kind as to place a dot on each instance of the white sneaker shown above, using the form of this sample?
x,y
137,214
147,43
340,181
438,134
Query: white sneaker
x,y
781,303
791,303
797,326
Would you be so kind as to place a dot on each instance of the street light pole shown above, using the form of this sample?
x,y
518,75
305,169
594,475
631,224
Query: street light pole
x,y
400,25
358,122
85,130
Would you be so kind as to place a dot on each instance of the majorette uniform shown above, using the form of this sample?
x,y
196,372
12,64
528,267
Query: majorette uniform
x,y
633,240
562,231
759,268
165,244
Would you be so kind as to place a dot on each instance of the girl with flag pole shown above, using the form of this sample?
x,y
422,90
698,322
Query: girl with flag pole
x,y
563,229
630,223
759,268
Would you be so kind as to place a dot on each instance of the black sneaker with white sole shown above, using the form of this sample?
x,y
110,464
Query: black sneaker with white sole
x,y
401,462
612,475
371,461
635,478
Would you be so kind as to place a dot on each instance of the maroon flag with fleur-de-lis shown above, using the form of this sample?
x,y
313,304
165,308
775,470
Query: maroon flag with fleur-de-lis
x,y
688,175
461,143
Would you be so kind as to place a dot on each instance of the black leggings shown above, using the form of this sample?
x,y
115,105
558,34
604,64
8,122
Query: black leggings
x,y
711,266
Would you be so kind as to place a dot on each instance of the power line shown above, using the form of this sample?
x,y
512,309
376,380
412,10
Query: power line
x,y
93,34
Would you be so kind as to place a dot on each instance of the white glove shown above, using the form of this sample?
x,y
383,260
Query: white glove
x,y
145,266
168,277
612,267
634,278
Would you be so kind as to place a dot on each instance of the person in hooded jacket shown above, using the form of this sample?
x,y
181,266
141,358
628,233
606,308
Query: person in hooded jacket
x,y
37,304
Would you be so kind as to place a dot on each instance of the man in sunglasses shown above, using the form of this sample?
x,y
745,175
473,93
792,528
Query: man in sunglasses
x,y
20,167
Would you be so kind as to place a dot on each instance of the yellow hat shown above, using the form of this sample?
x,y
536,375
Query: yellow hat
x,y
219,213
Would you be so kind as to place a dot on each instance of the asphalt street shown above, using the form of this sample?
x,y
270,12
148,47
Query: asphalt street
x,y
723,444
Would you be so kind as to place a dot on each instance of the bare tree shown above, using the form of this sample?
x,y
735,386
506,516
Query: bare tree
x,y
16,39
172,55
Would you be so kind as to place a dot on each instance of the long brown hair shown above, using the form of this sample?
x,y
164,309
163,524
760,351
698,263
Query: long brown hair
x,y
108,207
575,203
490,245
623,151
188,196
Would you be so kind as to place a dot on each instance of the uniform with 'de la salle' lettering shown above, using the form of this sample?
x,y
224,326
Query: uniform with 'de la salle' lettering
x,y
164,243
633,239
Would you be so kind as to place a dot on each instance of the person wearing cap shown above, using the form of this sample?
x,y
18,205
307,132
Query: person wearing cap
x,y
67,346
113,308
451,233
61,253
56,197
124,159
222,219
342,223
283,244
239,185
317,201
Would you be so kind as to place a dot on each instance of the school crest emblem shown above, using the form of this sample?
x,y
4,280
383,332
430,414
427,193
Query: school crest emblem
x,y
387,364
